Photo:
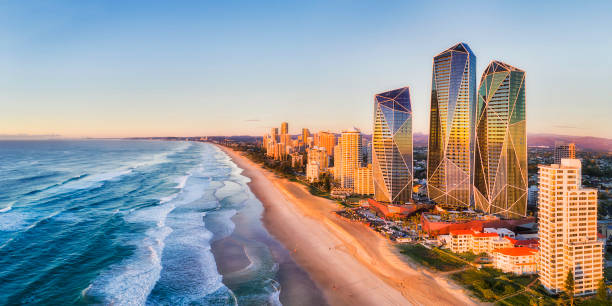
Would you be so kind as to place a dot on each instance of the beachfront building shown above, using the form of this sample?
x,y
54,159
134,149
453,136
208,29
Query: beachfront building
x,y
326,140
392,147
350,144
319,154
564,150
500,166
313,170
297,159
568,229
462,241
516,260
364,184
451,125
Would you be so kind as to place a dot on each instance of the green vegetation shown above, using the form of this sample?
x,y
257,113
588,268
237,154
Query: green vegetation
x,y
487,284
434,258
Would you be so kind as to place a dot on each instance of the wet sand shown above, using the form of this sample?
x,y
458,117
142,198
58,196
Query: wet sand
x,y
239,255
352,264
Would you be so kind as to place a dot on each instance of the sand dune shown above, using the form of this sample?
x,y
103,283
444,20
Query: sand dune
x,y
352,264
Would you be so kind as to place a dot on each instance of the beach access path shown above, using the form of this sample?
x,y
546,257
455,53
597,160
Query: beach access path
x,y
351,263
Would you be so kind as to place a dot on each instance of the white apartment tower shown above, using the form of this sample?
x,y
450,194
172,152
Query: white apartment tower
x,y
568,229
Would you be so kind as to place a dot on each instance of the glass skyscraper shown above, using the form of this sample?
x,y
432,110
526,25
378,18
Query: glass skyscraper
x,y
392,146
451,126
500,166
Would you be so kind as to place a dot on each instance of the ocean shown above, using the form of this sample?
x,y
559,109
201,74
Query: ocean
x,y
132,223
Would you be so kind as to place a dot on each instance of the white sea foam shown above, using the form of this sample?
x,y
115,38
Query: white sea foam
x,y
92,181
131,281
7,207
11,221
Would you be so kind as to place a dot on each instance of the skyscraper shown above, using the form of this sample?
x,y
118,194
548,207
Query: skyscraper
x,y
451,126
305,136
284,128
500,166
568,229
326,140
350,144
564,150
392,146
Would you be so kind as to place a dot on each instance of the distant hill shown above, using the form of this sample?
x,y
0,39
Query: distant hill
x,y
585,143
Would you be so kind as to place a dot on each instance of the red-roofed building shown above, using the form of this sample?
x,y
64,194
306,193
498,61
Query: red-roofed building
x,y
526,243
470,241
517,260
393,211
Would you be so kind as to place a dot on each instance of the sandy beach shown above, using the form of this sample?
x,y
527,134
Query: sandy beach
x,y
349,262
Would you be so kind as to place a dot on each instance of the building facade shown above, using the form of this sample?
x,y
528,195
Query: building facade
x,y
500,165
451,126
350,144
392,146
319,154
568,229
326,140
284,128
312,171
516,260
564,150
364,183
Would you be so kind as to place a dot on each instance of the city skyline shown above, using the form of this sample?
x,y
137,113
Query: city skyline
x,y
90,71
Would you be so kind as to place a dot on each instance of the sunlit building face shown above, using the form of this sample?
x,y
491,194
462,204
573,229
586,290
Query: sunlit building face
x,y
500,172
392,146
451,126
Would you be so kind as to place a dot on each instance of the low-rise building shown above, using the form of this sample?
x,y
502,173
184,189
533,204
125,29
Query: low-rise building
x,y
516,260
470,241
502,232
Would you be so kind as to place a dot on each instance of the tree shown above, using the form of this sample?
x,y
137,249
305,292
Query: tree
x,y
602,291
569,286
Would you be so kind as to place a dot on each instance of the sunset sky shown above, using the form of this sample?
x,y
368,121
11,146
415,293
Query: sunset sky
x,y
147,68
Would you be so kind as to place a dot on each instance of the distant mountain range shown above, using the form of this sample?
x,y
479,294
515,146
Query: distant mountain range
x,y
586,143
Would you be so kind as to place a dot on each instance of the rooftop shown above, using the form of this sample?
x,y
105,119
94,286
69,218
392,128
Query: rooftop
x,y
520,251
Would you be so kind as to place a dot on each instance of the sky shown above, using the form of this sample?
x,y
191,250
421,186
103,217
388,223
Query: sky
x,y
187,68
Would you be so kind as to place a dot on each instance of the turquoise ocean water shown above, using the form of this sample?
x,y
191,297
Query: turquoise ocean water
x,y
121,222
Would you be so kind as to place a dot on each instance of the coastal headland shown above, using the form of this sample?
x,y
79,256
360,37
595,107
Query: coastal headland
x,y
349,262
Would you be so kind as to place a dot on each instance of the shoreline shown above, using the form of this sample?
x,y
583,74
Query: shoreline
x,y
349,271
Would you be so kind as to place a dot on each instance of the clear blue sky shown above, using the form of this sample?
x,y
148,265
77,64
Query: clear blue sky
x,y
145,68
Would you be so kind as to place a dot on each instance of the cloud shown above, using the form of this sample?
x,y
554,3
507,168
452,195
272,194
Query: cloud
x,y
252,120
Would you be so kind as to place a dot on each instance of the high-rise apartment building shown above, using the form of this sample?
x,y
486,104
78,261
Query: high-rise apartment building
x,y
568,229
451,126
564,150
392,146
284,128
326,140
364,184
305,136
319,155
350,144
500,162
